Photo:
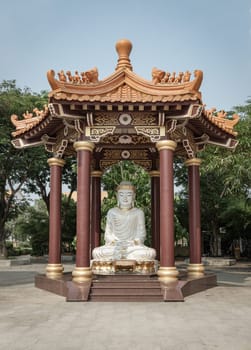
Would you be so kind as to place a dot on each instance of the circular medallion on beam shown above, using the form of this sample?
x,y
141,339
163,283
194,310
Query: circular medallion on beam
x,y
125,154
125,119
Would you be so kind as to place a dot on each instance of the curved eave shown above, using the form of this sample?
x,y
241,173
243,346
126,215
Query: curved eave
x,y
31,136
121,77
216,135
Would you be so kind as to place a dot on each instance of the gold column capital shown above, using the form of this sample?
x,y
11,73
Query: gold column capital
x,y
56,161
96,173
166,144
193,161
154,173
84,146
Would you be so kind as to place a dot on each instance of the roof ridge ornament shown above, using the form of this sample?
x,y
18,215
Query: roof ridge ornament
x,y
123,48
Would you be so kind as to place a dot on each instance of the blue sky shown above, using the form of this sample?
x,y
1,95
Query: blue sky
x,y
211,35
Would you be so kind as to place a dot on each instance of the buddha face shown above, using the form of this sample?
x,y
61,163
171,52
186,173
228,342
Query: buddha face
x,y
125,198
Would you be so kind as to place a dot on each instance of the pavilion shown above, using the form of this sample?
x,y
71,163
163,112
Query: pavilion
x,y
125,117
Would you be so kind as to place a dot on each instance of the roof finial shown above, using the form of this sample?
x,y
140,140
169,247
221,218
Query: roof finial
x,y
124,48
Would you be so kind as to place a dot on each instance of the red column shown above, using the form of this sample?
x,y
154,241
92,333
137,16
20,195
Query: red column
x,y
95,209
54,268
195,266
167,271
155,211
82,271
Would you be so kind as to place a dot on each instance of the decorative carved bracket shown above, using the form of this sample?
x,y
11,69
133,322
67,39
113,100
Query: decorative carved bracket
x,y
189,148
171,126
52,110
154,133
96,133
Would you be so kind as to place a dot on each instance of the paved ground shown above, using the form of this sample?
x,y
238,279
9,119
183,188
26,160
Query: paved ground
x,y
219,318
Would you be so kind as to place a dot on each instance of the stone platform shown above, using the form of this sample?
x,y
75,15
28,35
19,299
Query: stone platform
x,y
16,261
126,286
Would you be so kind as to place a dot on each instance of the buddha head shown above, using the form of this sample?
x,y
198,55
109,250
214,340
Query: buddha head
x,y
126,195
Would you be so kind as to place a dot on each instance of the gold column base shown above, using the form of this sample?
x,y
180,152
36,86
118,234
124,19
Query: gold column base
x,y
195,269
168,274
54,270
81,274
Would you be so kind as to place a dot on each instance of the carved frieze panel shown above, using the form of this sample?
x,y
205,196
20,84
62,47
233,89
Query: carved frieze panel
x,y
145,119
104,164
125,139
106,119
146,164
125,119
125,154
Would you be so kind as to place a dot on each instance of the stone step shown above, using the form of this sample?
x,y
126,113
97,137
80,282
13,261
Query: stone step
x,y
125,287
129,284
127,291
126,298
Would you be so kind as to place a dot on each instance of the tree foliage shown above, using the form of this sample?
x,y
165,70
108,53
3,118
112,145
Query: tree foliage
x,y
23,170
15,164
33,223
225,188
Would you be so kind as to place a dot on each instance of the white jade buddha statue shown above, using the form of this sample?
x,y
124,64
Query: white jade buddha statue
x,y
125,231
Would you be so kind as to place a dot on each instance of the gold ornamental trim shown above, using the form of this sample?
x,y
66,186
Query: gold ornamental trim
x,y
54,270
167,274
56,161
166,144
96,173
84,146
81,274
193,161
154,173
195,269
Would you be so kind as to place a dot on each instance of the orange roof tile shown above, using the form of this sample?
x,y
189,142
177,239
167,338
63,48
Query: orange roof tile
x,y
125,86
222,120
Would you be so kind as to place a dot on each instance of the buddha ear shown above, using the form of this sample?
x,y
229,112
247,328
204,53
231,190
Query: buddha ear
x,y
117,196
133,199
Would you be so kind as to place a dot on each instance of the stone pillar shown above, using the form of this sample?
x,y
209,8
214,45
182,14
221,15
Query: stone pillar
x,y
95,209
155,211
195,267
82,271
167,271
54,268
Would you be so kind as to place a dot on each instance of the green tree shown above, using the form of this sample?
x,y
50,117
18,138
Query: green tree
x,y
24,169
230,188
39,177
233,166
15,164
225,186
68,212
33,224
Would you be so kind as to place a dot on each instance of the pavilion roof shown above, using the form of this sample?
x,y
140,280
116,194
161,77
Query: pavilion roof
x,y
124,85
84,90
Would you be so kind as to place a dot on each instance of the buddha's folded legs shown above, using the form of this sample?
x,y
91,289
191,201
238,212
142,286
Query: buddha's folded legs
x,y
140,253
